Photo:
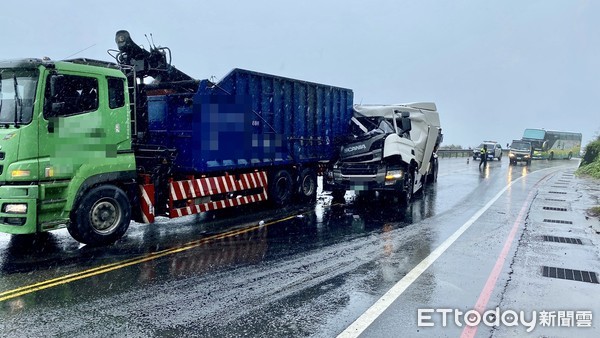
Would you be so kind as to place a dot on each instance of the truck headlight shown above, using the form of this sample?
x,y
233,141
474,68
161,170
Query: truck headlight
x,y
393,175
14,208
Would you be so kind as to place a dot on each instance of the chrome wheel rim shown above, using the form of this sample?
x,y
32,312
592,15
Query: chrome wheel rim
x,y
105,216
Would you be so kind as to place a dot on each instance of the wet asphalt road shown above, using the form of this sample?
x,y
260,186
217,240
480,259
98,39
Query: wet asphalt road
x,y
302,271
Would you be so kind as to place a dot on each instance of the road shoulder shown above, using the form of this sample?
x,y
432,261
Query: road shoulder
x,y
559,240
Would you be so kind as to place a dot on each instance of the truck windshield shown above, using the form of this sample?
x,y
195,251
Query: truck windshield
x,y
373,125
17,94
520,146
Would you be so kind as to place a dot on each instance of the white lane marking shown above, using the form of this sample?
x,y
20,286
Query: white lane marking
x,y
372,313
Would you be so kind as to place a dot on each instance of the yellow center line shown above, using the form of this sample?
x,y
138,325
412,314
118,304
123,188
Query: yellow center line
x,y
9,294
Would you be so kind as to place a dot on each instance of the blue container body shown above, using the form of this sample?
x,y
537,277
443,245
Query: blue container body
x,y
250,120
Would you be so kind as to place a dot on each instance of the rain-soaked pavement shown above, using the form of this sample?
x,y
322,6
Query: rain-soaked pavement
x,y
471,241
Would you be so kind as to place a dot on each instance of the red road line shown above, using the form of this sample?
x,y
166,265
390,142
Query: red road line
x,y
486,293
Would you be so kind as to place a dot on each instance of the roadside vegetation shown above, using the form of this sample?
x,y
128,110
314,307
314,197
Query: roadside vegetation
x,y
590,164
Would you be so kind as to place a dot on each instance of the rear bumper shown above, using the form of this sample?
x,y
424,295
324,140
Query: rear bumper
x,y
21,223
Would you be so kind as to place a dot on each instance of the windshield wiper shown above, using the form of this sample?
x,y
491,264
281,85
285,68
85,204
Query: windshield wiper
x,y
18,104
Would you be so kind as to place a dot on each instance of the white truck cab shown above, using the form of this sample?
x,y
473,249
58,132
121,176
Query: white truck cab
x,y
390,148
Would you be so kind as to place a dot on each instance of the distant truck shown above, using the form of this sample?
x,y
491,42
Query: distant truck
x,y
494,150
90,145
390,148
520,151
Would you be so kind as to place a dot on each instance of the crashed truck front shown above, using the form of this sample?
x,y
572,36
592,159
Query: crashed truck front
x,y
389,148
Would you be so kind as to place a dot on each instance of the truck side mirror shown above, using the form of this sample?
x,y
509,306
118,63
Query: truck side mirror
x,y
56,85
57,107
405,124
55,99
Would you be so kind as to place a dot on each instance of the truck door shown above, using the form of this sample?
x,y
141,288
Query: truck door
x,y
78,134
71,131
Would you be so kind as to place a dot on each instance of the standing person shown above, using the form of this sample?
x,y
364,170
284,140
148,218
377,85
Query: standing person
x,y
483,152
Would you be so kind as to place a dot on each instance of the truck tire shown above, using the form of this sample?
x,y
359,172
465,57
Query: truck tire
x,y
433,172
407,191
307,185
101,217
280,188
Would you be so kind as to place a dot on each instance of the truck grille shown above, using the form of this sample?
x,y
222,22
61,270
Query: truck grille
x,y
361,158
359,169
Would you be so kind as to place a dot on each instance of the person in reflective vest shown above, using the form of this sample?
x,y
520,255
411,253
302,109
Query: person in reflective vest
x,y
483,152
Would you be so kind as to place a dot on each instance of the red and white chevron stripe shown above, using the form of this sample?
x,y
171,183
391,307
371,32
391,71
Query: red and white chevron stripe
x,y
147,202
204,187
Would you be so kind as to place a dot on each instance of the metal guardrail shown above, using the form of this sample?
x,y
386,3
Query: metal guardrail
x,y
443,153
447,153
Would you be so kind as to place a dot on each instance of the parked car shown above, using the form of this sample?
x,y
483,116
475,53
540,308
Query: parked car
x,y
494,150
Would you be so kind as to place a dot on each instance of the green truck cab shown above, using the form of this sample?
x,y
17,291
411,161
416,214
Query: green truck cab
x,y
66,155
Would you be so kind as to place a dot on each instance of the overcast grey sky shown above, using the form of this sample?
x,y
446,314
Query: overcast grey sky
x,y
493,68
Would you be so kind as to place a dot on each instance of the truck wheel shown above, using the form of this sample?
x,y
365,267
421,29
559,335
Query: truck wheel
x,y
407,191
102,216
307,185
433,173
280,188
